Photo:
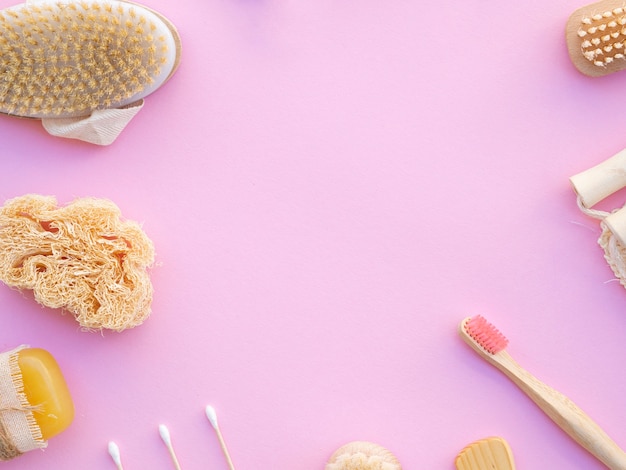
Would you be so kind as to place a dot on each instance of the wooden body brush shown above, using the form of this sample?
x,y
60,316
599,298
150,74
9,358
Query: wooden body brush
x,y
70,59
490,344
596,36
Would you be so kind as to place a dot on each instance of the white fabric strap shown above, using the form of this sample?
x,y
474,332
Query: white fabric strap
x,y
101,128
17,420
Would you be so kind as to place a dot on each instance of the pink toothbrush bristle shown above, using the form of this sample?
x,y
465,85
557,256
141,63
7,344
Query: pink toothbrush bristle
x,y
486,335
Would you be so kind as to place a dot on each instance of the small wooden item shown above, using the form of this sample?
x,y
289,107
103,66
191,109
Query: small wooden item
x,y
492,453
596,36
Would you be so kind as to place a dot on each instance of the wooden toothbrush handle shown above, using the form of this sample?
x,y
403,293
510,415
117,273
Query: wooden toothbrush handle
x,y
567,415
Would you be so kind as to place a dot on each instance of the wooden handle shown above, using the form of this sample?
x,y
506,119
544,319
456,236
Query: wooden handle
x,y
602,180
564,413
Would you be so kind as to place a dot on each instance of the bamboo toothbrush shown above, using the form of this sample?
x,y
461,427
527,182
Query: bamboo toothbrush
x,y
487,341
596,37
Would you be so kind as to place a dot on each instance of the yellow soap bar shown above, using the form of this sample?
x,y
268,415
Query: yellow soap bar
x,y
46,391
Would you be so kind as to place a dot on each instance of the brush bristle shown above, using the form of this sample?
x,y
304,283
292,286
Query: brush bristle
x,y
603,36
68,59
485,334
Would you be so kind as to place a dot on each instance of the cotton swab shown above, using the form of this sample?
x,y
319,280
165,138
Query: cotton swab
x,y
212,416
114,452
165,435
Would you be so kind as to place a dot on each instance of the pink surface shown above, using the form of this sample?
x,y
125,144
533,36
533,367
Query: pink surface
x,y
331,187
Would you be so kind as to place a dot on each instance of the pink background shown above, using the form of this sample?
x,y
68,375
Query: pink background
x,y
331,187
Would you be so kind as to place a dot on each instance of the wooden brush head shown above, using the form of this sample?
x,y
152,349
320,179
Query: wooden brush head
x,y
67,59
596,38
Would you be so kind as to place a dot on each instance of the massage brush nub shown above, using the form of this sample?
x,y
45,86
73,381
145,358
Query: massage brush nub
x,y
596,37
70,58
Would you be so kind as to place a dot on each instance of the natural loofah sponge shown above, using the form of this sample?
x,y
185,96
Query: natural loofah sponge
x,y
361,455
82,258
